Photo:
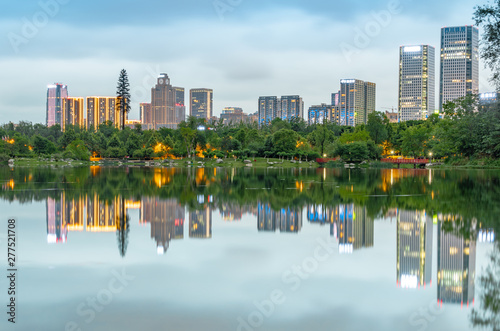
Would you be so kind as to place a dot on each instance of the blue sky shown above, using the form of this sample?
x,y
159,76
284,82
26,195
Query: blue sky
x,y
240,48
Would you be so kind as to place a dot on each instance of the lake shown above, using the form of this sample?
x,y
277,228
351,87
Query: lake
x,y
115,248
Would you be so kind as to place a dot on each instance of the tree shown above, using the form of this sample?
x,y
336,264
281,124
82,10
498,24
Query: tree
x,y
42,145
376,127
414,141
123,95
488,17
285,140
321,136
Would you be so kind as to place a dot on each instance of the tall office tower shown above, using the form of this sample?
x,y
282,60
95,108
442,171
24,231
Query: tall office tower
x,y
456,266
146,116
488,98
101,110
417,77
459,63
291,106
72,112
201,103
163,104
269,108
55,94
414,249
320,113
180,106
336,98
357,101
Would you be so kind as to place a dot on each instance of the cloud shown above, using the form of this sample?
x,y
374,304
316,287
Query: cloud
x,y
260,48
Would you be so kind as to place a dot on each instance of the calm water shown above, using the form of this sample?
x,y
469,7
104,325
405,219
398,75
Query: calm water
x,y
248,249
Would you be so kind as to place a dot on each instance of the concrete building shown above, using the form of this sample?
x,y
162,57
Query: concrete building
x,y
357,101
234,115
417,76
101,110
72,112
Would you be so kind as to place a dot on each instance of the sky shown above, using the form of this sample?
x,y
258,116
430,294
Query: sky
x,y
242,49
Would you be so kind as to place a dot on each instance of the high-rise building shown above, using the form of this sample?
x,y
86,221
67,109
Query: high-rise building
x,y
336,98
55,94
291,106
318,114
146,116
488,98
72,112
268,109
233,115
414,249
101,110
180,106
163,104
417,76
357,101
459,63
201,103
456,266
286,108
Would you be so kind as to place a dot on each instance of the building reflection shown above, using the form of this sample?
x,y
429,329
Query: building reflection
x,y
84,213
348,223
414,249
234,212
200,219
57,230
285,219
456,266
166,217
354,229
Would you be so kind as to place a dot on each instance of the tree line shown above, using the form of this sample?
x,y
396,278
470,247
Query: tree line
x,y
467,130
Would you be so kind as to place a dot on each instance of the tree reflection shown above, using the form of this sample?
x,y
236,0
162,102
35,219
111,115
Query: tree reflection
x,y
488,313
122,229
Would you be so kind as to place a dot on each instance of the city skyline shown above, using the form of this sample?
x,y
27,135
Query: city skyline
x,y
239,74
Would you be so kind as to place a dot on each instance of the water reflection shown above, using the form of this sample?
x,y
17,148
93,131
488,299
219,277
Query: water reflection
x,y
454,210
456,266
414,251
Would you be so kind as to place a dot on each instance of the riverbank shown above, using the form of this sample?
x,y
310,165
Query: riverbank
x,y
250,163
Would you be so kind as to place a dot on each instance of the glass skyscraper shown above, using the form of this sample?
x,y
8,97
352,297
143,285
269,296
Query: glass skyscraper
x,y
417,77
55,94
201,103
459,63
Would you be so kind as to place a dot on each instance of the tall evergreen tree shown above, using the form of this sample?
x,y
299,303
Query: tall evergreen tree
x,y
123,95
488,17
